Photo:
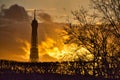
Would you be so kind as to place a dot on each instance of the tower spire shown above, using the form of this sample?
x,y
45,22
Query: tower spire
x,y
34,13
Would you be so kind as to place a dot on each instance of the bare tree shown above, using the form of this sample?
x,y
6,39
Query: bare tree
x,y
96,38
110,14
110,10
85,33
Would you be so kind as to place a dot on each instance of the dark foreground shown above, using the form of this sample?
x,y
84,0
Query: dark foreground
x,y
37,76
10,70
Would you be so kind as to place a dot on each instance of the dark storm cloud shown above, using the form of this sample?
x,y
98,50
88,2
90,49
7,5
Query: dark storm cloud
x,y
15,12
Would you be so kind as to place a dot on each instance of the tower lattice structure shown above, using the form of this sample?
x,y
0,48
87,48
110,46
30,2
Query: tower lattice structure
x,y
34,40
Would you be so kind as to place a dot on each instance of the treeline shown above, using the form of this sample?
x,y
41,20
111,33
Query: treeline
x,y
64,68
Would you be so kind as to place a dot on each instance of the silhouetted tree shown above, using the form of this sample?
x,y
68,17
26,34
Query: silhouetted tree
x,y
110,14
96,38
110,10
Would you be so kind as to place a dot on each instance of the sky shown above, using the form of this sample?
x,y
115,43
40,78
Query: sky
x,y
56,8
16,35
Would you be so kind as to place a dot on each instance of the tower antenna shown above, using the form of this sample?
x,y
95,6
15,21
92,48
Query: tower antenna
x,y
34,13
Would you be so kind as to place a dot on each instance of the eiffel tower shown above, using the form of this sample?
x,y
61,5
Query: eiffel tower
x,y
34,40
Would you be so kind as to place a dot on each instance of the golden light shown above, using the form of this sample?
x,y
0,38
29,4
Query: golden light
x,y
25,47
66,52
98,23
49,46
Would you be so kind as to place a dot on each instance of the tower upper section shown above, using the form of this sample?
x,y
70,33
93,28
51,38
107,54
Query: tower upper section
x,y
34,21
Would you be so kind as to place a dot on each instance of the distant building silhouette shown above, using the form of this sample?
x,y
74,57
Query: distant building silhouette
x,y
34,41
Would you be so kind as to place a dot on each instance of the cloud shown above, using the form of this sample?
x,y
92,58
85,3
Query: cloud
x,y
45,17
13,26
10,33
9,47
15,12
12,30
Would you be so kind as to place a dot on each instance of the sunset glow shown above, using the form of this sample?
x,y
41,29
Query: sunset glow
x,y
16,35
59,39
64,53
25,48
